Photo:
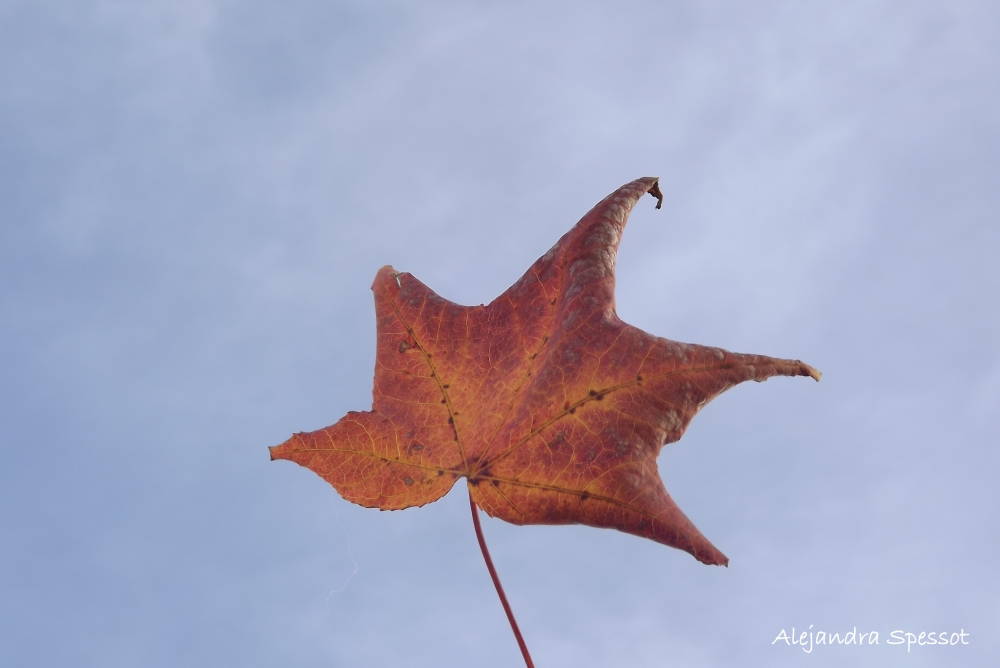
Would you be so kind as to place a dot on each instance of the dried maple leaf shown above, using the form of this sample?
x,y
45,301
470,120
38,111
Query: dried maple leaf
x,y
552,408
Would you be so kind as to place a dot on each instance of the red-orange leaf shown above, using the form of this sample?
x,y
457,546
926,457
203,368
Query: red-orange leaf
x,y
552,408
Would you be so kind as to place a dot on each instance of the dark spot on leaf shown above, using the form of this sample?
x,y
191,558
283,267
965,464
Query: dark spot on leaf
x,y
440,472
566,406
416,447
600,396
444,401
446,386
638,377
408,480
592,393
584,496
410,433
553,302
572,410
403,346
451,420
495,483
534,355
591,455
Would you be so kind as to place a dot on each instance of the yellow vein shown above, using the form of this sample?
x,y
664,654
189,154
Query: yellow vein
x,y
572,407
434,374
572,492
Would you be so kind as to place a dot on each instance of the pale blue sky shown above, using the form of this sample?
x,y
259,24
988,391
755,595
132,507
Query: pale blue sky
x,y
195,196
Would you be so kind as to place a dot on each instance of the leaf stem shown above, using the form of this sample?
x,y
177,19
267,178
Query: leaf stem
x,y
496,583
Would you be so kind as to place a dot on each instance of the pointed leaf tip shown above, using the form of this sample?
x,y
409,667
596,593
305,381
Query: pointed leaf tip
x,y
654,190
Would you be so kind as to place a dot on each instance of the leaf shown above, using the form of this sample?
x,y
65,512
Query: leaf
x,y
551,408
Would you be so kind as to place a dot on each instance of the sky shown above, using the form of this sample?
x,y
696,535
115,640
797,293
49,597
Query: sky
x,y
195,196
